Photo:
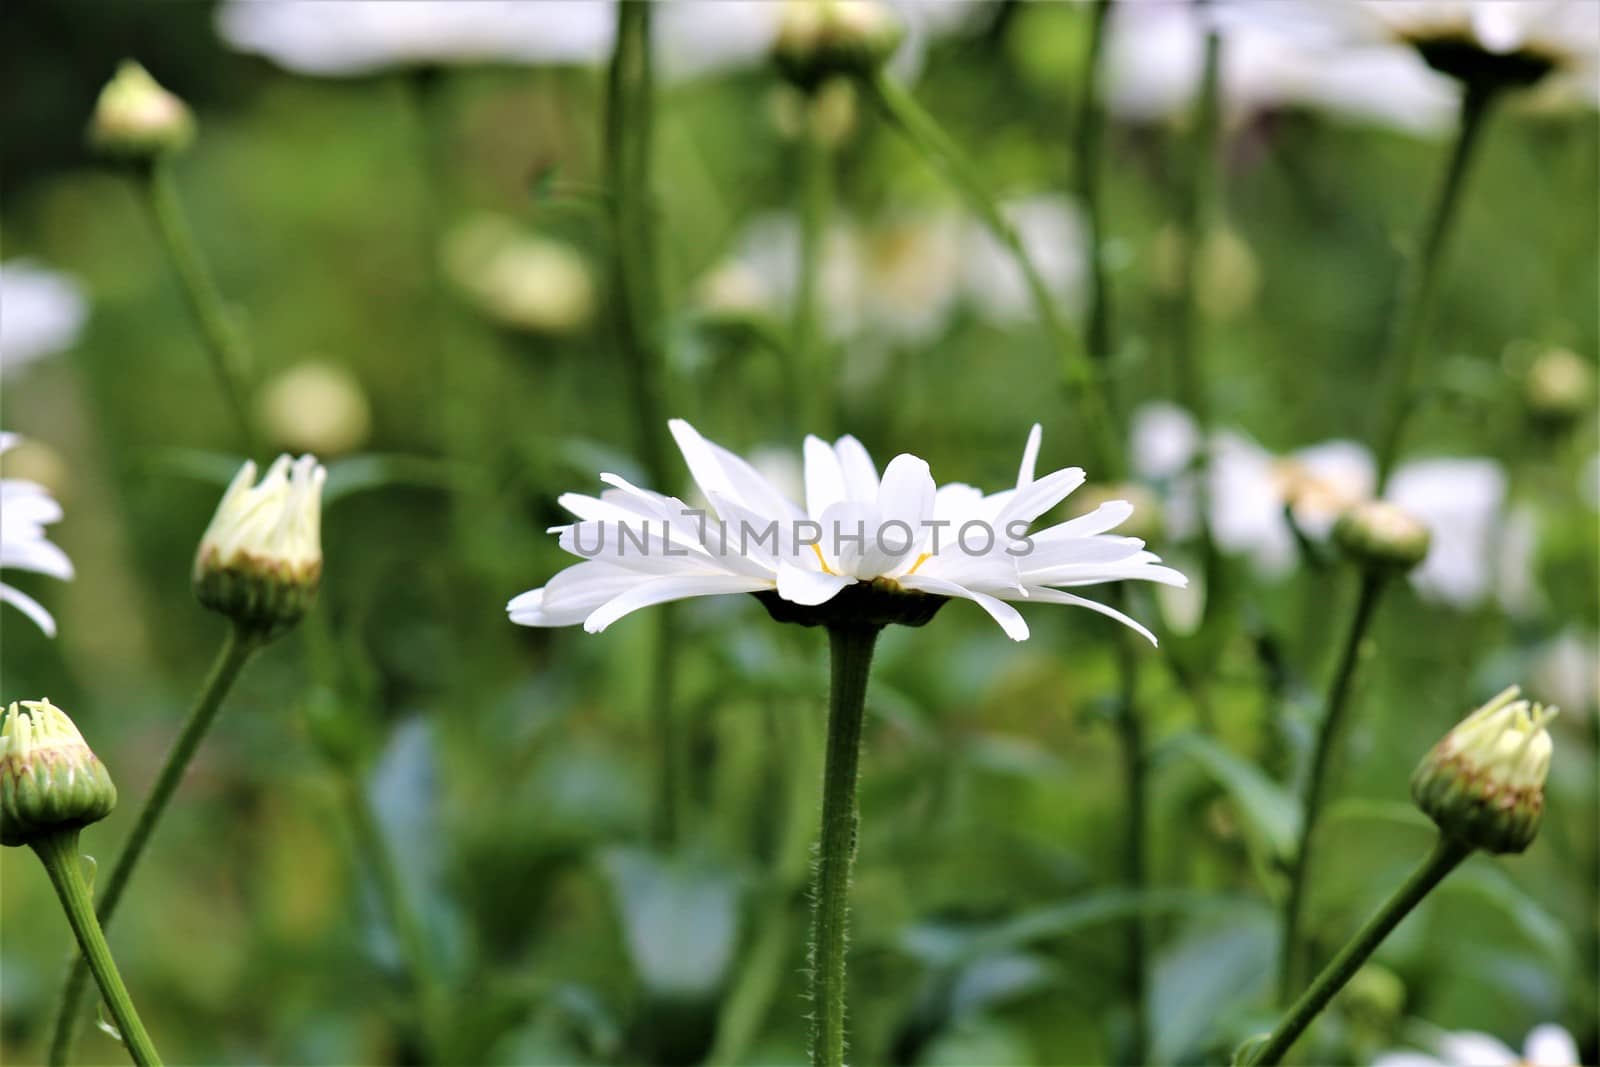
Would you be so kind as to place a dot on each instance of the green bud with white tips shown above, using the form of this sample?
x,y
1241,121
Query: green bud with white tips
x,y
50,781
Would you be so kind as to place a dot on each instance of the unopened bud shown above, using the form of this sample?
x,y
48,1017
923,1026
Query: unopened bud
x,y
1484,783
1560,387
1381,535
819,39
136,118
260,560
50,782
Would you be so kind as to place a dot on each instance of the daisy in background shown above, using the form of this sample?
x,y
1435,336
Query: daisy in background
x,y
1546,1045
1478,547
25,510
44,312
897,532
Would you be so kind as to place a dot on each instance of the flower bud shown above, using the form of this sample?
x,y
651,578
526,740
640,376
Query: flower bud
x,y
1484,783
818,39
317,407
260,560
49,780
1382,536
136,118
1560,387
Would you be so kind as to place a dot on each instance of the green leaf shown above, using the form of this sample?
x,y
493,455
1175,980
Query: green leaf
x,y
1201,979
375,470
1272,813
1530,917
680,920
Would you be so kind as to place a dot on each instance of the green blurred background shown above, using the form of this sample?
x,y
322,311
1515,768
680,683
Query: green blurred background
x,y
512,769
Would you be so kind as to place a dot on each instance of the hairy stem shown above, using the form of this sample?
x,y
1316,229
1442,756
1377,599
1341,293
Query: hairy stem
x,y
237,648
850,658
1447,854
59,854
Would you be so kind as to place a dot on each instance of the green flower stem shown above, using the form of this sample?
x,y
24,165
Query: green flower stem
x,y
629,139
379,859
426,101
1422,285
810,373
59,854
1447,854
1082,377
1130,734
230,357
1090,131
1322,755
850,658
235,652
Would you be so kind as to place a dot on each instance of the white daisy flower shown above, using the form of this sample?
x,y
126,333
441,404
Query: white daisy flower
x,y
858,534
1055,240
1546,1045
25,510
44,311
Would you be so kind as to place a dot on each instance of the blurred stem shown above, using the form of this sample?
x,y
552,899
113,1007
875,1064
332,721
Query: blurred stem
x,y
629,139
1197,216
375,852
850,660
426,98
1422,283
811,374
1130,733
59,854
1328,737
237,648
1447,854
230,358
1090,131
1081,376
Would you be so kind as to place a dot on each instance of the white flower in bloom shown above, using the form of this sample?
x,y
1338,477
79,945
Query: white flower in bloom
x,y
25,510
352,37
1156,53
1566,669
1554,44
1053,235
1463,503
1547,1045
898,531
41,313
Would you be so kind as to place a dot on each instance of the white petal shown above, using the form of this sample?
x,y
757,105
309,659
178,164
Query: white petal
x,y
825,484
39,556
860,473
1405,1059
1549,1045
1009,618
1056,596
1036,498
661,590
1107,516
573,594
1030,456
801,586
29,607
1468,1048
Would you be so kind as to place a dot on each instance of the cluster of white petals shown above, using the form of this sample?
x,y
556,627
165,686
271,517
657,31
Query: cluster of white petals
x,y
1547,1045
278,522
44,312
26,508
672,553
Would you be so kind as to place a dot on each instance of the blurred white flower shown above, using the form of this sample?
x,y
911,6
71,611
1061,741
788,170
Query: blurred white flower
x,y
522,280
1053,236
41,313
1547,1045
25,510
1566,671
315,407
910,275
1589,483
1551,44
880,531
1462,501
1156,51
353,37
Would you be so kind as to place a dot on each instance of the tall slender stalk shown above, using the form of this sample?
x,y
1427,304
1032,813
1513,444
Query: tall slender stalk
x,y
1079,371
811,372
1422,282
1322,755
629,138
59,854
1447,854
230,357
427,101
237,648
1090,137
1136,847
850,659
